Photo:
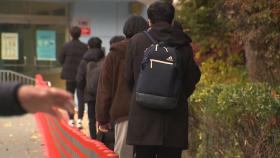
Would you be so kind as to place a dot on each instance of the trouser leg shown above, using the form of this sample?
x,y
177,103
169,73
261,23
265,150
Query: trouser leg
x,y
124,150
169,152
157,152
81,104
70,87
91,119
141,151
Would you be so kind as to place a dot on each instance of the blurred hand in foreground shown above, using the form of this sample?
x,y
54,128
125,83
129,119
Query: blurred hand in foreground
x,y
40,99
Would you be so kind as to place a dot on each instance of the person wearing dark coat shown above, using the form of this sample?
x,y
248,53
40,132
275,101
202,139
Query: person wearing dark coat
x,y
113,95
70,58
17,99
160,133
94,54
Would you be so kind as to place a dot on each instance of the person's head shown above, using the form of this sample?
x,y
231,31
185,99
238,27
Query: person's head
x,y
95,42
116,39
133,25
161,12
75,32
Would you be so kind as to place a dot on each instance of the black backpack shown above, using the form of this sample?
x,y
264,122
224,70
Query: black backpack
x,y
92,76
159,83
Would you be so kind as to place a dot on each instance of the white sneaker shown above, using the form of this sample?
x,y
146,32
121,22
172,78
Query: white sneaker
x,y
79,124
71,123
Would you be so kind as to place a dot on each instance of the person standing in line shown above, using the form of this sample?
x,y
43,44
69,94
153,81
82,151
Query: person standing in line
x,y
91,61
113,94
17,99
70,58
116,39
108,137
160,133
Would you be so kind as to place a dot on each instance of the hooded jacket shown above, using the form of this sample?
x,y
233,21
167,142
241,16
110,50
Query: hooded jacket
x,y
70,58
93,54
113,94
160,127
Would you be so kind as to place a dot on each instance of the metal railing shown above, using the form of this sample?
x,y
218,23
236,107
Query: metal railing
x,y
11,76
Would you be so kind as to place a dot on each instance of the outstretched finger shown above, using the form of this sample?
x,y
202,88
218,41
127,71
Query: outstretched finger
x,y
62,99
67,105
59,93
52,112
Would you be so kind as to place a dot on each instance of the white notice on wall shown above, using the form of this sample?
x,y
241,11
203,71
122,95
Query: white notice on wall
x,y
9,46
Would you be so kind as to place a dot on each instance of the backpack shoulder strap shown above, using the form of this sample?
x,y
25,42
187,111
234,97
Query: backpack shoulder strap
x,y
150,37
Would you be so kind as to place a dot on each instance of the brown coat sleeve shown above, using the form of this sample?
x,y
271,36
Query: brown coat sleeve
x,y
104,92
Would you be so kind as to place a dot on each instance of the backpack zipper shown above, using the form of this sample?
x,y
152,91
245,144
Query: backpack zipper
x,y
156,47
159,61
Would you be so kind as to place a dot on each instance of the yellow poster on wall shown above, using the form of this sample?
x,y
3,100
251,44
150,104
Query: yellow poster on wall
x,y
9,46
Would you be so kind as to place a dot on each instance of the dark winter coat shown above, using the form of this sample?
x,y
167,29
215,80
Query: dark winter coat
x,y
70,58
95,55
154,127
9,104
113,94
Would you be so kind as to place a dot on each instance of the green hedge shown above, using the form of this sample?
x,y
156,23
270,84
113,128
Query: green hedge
x,y
237,120
230,117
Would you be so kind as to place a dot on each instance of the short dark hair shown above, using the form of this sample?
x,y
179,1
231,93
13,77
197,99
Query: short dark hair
x,y
75,32
116,39
161,12
133,25
94,42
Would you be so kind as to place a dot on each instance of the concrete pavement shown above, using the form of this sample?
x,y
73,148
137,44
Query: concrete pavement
x,y
19,138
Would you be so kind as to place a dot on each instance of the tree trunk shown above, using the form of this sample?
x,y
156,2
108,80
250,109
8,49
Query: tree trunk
x,y
263,64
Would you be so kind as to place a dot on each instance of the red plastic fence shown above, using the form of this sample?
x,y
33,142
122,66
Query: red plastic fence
x,y
63,141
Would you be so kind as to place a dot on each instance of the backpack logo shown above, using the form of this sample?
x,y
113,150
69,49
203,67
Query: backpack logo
x,y
170,59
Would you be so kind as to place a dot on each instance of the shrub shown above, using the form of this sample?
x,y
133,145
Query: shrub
x,y
236,120
218,71
230,117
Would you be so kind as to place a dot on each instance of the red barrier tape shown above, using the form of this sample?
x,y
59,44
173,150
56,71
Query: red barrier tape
x,y
47,139
63,141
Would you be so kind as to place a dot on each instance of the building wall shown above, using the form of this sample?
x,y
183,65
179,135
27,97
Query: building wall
x,y
105,18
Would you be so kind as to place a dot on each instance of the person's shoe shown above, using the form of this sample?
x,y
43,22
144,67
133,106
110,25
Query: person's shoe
x,y
79,124
71,123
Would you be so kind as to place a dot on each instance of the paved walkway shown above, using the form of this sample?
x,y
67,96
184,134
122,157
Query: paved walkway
x,y
19,138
